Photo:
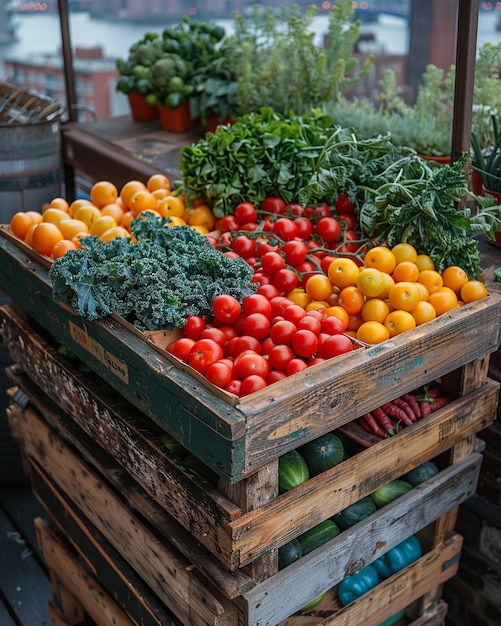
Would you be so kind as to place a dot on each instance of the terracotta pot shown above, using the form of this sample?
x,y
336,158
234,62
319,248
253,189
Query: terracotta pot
x,y
177,120
444,160
140,110
476,182
214,122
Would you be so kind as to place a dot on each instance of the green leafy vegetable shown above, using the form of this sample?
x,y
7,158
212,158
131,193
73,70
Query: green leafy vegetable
x,y
168,274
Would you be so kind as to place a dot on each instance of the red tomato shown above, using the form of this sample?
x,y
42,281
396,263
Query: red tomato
x,y
349,235
285,280
252,384
181,348
348,219
262,278
280,355
343,204
264,246
285,228
258,303
234,386
328,229
245,212
244,246
227,223
282,332
272,204
204,353
219,374
268,290
304,228
211,332
271,262
332,325
294,313
294,209
295,252
274,376
251,363
226,308
257,325
334,346
294,366
244,342
194,326
305,343
310,323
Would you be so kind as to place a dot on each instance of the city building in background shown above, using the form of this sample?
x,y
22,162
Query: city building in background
x,y
95,80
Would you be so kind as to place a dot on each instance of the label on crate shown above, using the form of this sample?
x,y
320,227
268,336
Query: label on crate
x,y
116,366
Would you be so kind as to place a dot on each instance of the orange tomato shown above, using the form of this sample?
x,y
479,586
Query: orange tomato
x,y
103,192
424,262
354,322
473,290
128,190
76,204
423,312
102,224
142,200
44,237
113,233
454,277
389,282
372,332
171,206
115,210
88,214
317,305
351,299
404,295
53,215
406,271
381,258
201,216
339,312
375,310
36,215
343,272
299,296
443,300
318,287
371,282
398,322
59,203
404,252
176,221
431,279
62,247
20,223
72,227
158,181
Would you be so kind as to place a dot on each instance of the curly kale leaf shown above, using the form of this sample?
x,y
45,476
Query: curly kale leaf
x,y
168,274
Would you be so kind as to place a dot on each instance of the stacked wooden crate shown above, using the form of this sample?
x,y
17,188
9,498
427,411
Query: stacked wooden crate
x,y
206,553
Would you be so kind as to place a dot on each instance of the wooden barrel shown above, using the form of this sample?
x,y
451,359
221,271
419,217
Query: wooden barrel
x,y
31,168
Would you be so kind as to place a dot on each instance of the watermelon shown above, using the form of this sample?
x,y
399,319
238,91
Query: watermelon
x,y
322,453
292,471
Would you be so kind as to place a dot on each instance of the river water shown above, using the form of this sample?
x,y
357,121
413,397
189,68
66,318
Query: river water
x,y
40,33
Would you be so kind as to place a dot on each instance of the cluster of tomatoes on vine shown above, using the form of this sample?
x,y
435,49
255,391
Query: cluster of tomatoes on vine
x,y
289,242
244,348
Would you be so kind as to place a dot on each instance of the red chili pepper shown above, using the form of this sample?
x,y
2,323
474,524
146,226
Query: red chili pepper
x,y
369,424
405,406
398,413
413,403
383,419
439,403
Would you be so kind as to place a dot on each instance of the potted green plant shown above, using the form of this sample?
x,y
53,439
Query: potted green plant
x,y
279,64
487,161
134,80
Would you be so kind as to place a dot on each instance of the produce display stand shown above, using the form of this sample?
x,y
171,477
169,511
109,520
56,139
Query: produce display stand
x,y
207,553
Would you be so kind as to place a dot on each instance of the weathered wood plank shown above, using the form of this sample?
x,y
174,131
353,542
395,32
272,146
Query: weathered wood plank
x,y
77,580
118,579
182,592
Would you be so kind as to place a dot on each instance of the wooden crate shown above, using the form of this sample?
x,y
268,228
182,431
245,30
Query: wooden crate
x,y
135,527
237,440
231,522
